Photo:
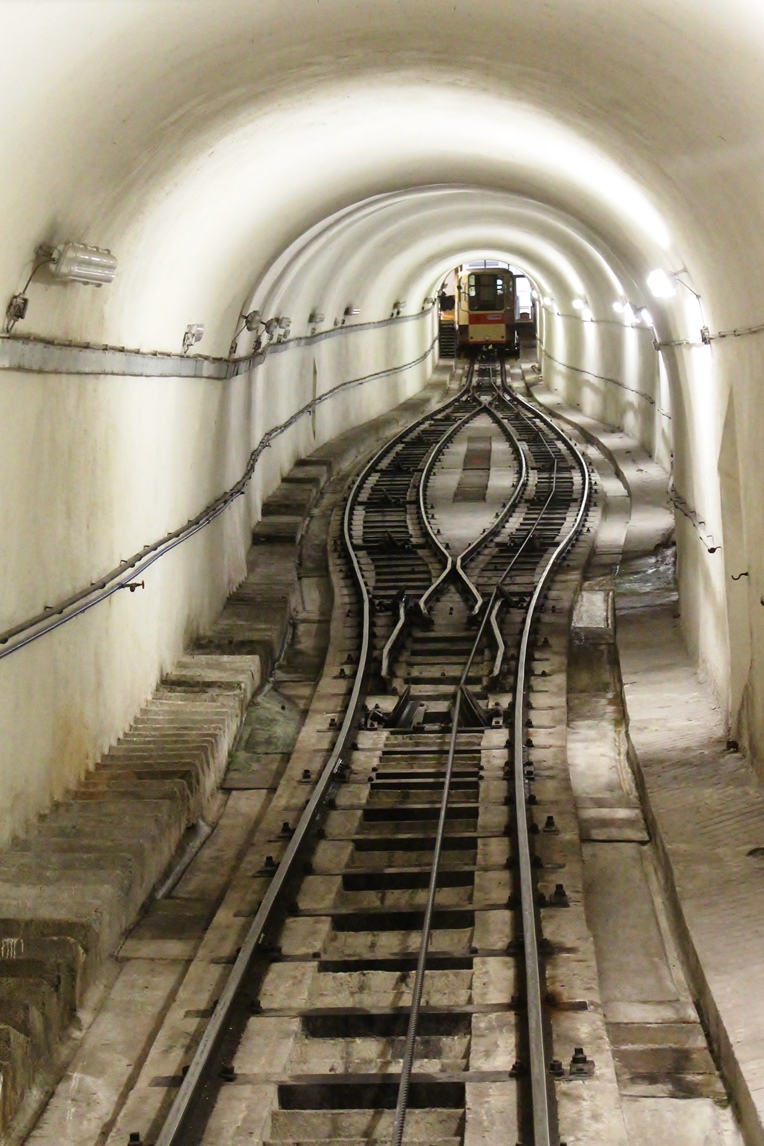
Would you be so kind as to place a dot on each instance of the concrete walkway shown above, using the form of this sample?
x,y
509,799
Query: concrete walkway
x,y
704,805
705,808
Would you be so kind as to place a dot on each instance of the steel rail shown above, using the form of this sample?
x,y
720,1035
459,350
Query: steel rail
x,y
52,617
392,640
401,1107
494,528
541,1117
184,1099
435,449
542,1130
501,647
435,453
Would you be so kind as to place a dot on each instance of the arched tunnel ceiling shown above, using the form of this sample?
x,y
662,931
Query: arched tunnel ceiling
x,y
199,140
399,246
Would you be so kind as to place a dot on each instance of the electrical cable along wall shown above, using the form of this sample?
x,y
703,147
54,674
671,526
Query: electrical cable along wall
x,y
162,463
126,574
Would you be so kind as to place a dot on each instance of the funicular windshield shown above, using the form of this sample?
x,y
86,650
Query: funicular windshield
x,y
486,291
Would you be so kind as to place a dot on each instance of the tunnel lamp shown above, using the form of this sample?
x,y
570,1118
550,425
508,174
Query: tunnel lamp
x,y
279,325
283,325
316,317
633,313
579,304
351,311
401,304
661,285
194,333
76,262
252,321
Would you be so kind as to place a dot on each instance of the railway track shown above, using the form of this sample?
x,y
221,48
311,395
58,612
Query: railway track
x,y
393,976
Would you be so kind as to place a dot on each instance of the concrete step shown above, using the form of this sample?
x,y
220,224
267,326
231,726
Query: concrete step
x,y
373,1055
427,1141
376,988
321,1126
16,1068
75,883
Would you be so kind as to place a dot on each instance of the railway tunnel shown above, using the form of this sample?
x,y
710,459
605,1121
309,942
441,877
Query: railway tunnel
x,y
225,227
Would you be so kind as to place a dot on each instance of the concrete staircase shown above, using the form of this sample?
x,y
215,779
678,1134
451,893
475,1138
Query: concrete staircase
x,y
71,887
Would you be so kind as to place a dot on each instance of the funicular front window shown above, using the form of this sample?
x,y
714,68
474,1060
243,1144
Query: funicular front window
x,y
486,292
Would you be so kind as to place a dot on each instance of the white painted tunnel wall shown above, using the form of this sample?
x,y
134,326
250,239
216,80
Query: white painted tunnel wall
x,y
127,477
201,141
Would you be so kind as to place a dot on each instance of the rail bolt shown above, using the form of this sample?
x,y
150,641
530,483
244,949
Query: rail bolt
x,y
580,1065
559,897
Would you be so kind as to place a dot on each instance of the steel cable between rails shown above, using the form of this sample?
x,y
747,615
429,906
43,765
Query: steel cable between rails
x,y
540,1098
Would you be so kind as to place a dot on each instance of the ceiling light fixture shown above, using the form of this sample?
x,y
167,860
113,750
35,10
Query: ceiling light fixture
x,y
661,285
67,262
76,262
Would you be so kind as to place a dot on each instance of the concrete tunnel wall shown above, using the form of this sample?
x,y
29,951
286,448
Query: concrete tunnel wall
x,y
230,163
